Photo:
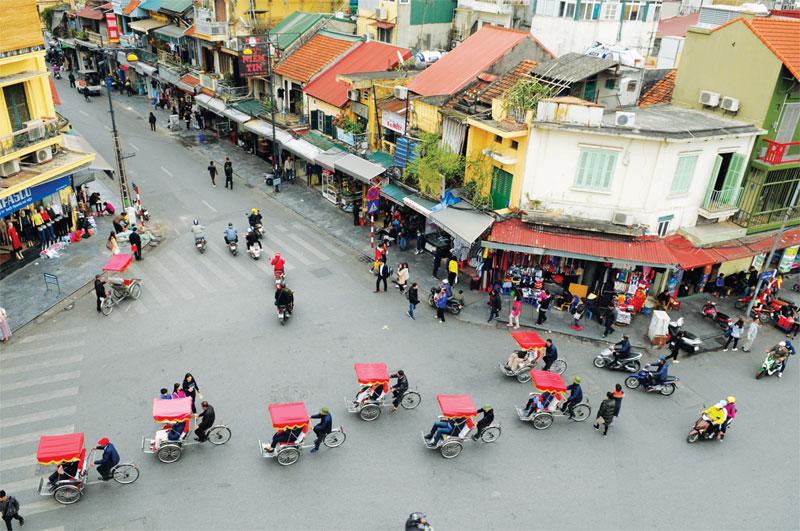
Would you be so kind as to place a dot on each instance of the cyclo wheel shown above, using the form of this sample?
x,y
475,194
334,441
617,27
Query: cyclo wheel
x,y
169,453
542,420
559,366
334,439
67,494
581,412
450,449
369,412
219,435
288,455
107,305
411,400
524,376
135,291
490,434
125,473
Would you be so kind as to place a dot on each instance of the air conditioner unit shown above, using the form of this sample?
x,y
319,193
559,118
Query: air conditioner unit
x,y
621,218
401,92
708,98
43,155
354,95
730,104
625,119
9,168
35,130
380,13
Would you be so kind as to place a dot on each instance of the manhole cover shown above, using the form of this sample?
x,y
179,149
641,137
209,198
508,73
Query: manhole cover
x,y
321,272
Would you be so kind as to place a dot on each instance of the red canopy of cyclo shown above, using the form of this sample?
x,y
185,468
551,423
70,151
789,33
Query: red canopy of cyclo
x,y
118,263
54,449
288,416
175,410
456,405
529,340
548,381
373,373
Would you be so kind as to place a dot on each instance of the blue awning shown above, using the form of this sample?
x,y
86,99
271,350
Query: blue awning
x,y
28,196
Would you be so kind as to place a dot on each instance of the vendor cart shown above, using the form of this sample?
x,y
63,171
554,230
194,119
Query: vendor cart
x,y
121,288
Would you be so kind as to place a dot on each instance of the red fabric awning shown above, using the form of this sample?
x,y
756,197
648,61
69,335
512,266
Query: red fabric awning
x,y
90,13
56,98
382,25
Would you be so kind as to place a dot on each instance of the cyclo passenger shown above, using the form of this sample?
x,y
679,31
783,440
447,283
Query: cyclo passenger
x,y
284,297
284,436
538,403
452,426
399,389
198,231
64,471
174,432
519,359
369,392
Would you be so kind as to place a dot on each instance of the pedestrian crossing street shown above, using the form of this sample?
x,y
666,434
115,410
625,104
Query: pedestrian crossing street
x,y
177,274
39,390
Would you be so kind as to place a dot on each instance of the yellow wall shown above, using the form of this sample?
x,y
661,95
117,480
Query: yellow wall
x,y
37,89
482,137
270,12
734,266
319,105
366,19
426,117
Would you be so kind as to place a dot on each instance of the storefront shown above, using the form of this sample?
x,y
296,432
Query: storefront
x,y
303,160
262,134
355,175
334,187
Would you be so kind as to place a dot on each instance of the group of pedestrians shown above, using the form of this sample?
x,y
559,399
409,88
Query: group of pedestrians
x,y
227,168
609,409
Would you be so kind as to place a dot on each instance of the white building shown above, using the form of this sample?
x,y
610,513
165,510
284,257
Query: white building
x,y
569,26
471,15
666,169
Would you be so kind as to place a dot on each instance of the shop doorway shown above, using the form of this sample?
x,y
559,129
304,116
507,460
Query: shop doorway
x,y
724,183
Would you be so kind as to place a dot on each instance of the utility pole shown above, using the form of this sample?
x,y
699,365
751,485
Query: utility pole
x,y
768,261
276,153
124,188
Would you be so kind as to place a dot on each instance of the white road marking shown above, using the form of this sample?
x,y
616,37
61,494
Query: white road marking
x,y
17,462
224,277
133,146
34,436
149,287
53,378
47,365
177,284
107,128
299,255
231,261
318,237
43,350
167,171
83,112
313,250
49,335
268,252
209,206
38,417
45,506
186,266
39,397
24,485
281,227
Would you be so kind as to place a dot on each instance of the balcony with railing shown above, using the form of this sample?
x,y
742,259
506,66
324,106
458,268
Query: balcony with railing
x,y
772,152
207,27
499,7
37,132
228,93
721,203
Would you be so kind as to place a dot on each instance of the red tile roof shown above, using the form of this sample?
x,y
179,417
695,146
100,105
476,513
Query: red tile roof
x,y
499,89
660,92
90,12
469,95
677,26
190,80
312,57
370,56
189,32
457,68
132,5
780,35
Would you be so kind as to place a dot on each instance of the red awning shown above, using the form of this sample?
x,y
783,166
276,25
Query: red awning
x,y
371,373
456,405
287,416
190,80
528,340
382,25
90,13
548,381
173,410
56,98
54,449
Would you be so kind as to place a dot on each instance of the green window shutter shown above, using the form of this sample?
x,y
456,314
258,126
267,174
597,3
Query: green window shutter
x,y
684,172
580,176
328,127
596,169
501,188
712,179
732,179
315,120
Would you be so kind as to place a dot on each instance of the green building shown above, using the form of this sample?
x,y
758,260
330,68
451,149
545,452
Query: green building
x,y
749,70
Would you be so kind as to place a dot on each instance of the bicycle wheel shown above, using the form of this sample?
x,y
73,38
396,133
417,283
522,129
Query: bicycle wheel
x,y
450,449
67,494
542,421
369,412
334,439
524,376
559,366
288,456
581,412
125,473
411,400
219,435
135,291
169,453
490,434
107,306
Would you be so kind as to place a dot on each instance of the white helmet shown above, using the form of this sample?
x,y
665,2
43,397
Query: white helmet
x,y
782,344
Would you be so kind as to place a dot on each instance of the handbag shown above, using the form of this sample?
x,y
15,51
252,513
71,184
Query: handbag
x,y
134,248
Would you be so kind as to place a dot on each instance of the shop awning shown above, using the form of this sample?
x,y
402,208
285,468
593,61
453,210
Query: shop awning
x,y
465,224
264,129
188,83
419,204
90,12
303,149
215,105
144,68
382,25
394,193
169,33
359,168
58,16
237,116
146,25
326,159
76,142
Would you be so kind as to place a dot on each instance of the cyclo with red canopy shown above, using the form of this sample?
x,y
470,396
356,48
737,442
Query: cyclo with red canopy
x,y
176,416
551,387
461,410
121,288
374,394
520,363
291,422
68,451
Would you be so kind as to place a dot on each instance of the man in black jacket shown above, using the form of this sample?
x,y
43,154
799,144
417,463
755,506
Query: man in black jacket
x,y
413,299
208,416
136,243
9,506
495,305
399,389
323,428
550,354
609,318
99,290
544,305
383,274
485,422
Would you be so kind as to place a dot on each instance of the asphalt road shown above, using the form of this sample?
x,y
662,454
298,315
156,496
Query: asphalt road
x,y
212,314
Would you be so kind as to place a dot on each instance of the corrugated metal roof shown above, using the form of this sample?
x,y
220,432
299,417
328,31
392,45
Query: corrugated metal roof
x,y
370,56
91,13
573,67
293,27
175,6
312,57
477,53
677,26
132,5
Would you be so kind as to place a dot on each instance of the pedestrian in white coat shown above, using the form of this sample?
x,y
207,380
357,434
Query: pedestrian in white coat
x,y
750,334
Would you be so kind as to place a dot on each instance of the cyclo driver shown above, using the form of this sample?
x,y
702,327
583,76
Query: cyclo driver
x,y
284,297
399,389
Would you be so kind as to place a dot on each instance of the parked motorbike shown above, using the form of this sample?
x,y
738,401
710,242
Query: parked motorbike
x,y
762,313
453,306
283,314
771,366
233,247
254,251
630,363
200,245
710,310
639,379
702,429
687,341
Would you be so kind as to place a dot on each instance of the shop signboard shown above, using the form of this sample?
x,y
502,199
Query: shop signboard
x,y
14,202
758,260
254,57
787,260
111,25
393,121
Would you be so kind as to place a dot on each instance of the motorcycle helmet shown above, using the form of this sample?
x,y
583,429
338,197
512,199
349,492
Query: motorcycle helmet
x,y
230,225
445,281
662,358
625,336
782,344
195,222
731,399
277,254
254,211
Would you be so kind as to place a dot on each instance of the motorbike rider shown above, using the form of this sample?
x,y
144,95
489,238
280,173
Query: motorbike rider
x,y
252,238
448,289
717,415
198,231
284,297
231,235
790,351
622,349
254,218
277,264
657,374
730,409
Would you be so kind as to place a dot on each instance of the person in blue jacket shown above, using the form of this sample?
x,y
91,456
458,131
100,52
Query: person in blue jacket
x,y
575,396
109,459
441,304
323,428
658,374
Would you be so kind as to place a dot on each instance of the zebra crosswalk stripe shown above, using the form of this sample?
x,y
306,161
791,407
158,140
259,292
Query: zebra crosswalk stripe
x,y
208,263
38,417
167,275
231,261
313,235
41,380
190,269
29,367
17,462
25,438
78,330
56,347
297,254
313,250
39,397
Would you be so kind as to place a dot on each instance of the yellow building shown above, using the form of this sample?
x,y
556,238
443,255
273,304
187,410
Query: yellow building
x,y
35,169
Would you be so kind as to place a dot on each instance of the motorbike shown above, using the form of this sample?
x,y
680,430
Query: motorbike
x,y
233,247
280,278
702,429
453,306
771,366
639,379
283,314
254,251
762,313
630,363
710,310
200,244
687,341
